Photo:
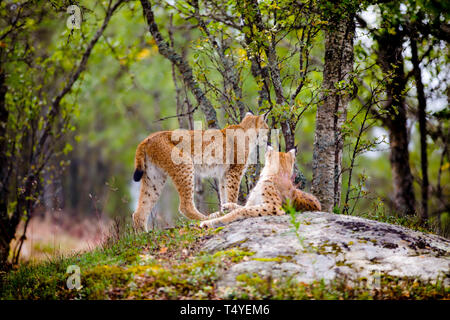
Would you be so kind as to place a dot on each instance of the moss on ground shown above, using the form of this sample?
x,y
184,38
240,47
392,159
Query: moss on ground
x,y
252,286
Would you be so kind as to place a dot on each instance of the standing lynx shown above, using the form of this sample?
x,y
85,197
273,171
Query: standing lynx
x,y
217,155
274,187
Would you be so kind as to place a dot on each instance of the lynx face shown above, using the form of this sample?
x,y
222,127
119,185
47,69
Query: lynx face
x,y
279,163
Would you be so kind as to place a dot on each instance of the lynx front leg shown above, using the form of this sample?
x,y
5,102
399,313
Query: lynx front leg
x,y
232,182
183,179
243,212
222,192
215,215
229,206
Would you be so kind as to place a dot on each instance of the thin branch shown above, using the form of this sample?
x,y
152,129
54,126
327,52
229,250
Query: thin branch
x,y
182,65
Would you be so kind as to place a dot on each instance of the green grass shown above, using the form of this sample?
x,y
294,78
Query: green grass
x,y
379,213
411,222
162,264
103,268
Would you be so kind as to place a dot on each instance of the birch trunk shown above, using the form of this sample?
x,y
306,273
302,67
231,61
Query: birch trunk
x,y
328,142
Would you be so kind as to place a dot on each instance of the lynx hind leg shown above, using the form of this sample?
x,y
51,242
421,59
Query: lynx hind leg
x,y
152,184
183,179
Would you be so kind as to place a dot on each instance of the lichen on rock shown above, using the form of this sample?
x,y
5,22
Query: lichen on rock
x,y
329,247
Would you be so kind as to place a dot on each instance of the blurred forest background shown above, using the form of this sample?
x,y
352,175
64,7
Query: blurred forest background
x,y
360,88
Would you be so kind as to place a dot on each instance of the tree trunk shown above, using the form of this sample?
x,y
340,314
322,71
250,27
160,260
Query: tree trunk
x,y
4,115
4,253
401,173
422,106
5,234
328,141
390,60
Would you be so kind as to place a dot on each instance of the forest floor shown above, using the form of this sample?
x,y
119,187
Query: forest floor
x,y
61,233
171,264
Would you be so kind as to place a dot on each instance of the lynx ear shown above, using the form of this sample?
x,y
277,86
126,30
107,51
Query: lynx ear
x,y
248,114
292,152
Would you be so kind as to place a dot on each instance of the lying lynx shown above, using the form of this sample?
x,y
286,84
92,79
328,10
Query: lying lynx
x,y
155,161
274,187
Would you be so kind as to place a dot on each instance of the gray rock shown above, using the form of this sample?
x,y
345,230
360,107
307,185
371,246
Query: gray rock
x,y
330,247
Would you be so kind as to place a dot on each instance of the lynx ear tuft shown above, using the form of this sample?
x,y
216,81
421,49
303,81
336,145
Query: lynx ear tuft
x,y
138,175
292,152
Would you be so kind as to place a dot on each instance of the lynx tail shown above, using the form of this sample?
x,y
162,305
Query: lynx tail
x,y
139,161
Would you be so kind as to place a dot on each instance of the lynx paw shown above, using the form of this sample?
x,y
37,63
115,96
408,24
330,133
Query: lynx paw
x,y
139,223
205,224
211,224
215,215
229,206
